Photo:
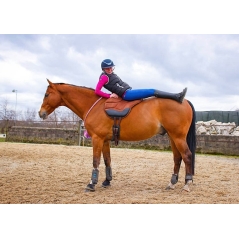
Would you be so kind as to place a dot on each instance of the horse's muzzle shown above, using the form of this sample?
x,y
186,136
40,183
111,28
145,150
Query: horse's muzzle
x,y
42,114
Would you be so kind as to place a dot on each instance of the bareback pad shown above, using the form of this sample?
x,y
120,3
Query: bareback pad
x,y
117,108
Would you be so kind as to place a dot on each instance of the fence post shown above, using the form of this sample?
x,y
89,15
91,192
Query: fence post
x,y
7,130
79,132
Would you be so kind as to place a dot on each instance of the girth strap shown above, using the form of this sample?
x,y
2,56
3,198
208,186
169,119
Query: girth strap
x,y
116,130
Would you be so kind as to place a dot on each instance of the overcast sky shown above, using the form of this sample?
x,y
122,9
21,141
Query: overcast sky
x,y
205,63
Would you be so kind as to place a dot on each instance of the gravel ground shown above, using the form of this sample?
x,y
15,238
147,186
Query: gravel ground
x,y
58,174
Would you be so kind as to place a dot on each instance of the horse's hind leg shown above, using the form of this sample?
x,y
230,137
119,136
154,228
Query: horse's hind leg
x,y
107,161
177,163
186,154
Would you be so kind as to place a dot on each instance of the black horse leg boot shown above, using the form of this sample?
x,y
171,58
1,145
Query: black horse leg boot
x,y
178,97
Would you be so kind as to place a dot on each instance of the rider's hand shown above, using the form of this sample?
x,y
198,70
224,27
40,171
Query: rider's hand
x,y
114,95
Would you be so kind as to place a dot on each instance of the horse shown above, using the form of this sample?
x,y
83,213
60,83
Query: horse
x,y
153,116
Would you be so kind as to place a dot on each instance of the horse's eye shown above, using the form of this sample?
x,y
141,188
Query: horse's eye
x,y
46,95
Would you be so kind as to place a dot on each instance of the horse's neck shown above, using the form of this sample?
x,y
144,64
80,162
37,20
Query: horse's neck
x,y
78,99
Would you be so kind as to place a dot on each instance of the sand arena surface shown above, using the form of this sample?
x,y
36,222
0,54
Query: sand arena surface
x,y
58,174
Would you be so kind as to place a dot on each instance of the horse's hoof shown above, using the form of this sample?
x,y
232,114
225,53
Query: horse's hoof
x,y
90,188
106,184
170,186
186,186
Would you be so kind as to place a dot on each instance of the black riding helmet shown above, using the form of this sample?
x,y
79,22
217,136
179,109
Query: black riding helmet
x,y
107,63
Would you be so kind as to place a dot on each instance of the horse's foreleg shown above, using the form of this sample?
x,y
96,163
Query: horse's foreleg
x,y
107,160
177,163
97,148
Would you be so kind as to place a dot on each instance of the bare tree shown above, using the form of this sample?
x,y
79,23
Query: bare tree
x,y
29,115
62,117
68,118
5,112
52,119
7,116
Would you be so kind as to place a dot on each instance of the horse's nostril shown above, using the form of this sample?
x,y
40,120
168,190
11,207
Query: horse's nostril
x,y
42,115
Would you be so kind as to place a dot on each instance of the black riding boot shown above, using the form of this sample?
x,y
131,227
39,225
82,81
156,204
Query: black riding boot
x,y
178,97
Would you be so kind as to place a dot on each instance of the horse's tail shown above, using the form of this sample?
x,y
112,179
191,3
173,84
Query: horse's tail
x,y
191,137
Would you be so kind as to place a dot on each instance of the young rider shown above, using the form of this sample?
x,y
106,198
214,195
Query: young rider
x,y
109,80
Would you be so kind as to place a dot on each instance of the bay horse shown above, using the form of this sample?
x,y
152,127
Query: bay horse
x,y
153,116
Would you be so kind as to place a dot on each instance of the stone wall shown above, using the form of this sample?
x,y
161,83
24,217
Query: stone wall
x,y
42,135
211,144
217,144
213,127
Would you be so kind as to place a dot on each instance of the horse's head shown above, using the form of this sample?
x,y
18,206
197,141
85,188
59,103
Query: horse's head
x,y
51,101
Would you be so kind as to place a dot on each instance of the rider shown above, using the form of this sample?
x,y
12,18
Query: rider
x,y
109,80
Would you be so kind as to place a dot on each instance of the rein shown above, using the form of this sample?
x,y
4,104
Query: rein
x,y
91,108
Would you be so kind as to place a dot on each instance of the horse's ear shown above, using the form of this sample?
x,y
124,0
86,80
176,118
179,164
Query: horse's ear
x,y
50,83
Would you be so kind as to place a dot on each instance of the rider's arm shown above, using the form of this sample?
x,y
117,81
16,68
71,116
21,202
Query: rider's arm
x,y
102,81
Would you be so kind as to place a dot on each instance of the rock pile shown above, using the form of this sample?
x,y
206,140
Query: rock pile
x,y
213,127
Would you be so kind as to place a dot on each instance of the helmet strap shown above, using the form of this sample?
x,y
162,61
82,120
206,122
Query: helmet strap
x,y
103,69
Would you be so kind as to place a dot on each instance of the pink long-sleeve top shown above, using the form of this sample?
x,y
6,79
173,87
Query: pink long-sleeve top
x,y
102,81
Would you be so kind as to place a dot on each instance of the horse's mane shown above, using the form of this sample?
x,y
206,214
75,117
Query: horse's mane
x,y
75,86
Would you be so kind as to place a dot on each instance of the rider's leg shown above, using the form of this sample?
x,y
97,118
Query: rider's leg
x,y
136,94
178,97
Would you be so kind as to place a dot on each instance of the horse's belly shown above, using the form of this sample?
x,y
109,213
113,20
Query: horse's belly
x,y
137,131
